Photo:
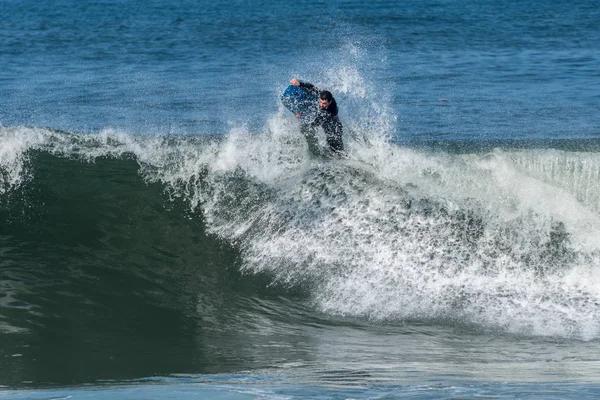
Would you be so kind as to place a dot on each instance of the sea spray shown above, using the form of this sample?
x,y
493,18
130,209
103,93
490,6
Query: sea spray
x,y
462,238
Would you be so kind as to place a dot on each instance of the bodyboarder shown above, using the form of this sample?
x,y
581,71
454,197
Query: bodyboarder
x,y
326,117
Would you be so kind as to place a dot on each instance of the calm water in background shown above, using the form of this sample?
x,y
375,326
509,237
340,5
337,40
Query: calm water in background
x,y
163,232
445,69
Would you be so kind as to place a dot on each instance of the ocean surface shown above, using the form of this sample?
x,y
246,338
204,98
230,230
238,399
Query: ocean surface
x,y
165,234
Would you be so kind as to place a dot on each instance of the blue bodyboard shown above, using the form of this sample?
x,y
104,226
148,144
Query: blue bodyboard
x,y
299,100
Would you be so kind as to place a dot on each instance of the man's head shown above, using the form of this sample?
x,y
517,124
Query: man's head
x,y
325,99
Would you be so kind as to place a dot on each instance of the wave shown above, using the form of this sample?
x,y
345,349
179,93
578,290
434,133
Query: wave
x,y
503,240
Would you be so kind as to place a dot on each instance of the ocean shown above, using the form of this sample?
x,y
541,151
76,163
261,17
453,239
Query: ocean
x,y
165,233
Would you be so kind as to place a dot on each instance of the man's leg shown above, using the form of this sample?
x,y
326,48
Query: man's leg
x,y
335,143
311,138
333,134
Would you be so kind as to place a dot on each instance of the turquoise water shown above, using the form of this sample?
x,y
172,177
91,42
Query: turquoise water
x,y
164,232
249,388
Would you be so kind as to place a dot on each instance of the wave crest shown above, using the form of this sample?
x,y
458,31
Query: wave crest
x,y
388,233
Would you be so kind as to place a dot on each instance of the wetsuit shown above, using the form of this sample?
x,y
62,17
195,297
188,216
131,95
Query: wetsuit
x,y
327,118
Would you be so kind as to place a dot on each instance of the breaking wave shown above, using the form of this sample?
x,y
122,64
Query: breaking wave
x,y
503,240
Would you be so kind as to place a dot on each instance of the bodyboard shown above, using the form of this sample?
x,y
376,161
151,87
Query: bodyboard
x,y
299,100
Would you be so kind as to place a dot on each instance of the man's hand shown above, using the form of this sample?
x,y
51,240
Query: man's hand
x,y
298,115
295,82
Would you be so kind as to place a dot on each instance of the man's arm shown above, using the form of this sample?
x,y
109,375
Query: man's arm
x,y
308,86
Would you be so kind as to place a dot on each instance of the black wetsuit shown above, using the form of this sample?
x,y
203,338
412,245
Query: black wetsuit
x,y
327,118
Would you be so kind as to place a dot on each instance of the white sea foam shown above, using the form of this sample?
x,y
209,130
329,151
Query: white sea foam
x,y
388,233
393,233
13,144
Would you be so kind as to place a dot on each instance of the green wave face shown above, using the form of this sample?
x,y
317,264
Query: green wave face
x,y
131,255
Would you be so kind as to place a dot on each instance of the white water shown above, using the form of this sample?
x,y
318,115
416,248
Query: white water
x,y
507,240
396,234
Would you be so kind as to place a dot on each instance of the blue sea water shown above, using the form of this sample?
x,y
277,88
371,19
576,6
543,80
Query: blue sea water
x,y
456,70
164,233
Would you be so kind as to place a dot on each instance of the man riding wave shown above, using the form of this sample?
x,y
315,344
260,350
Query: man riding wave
x,y
326,117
